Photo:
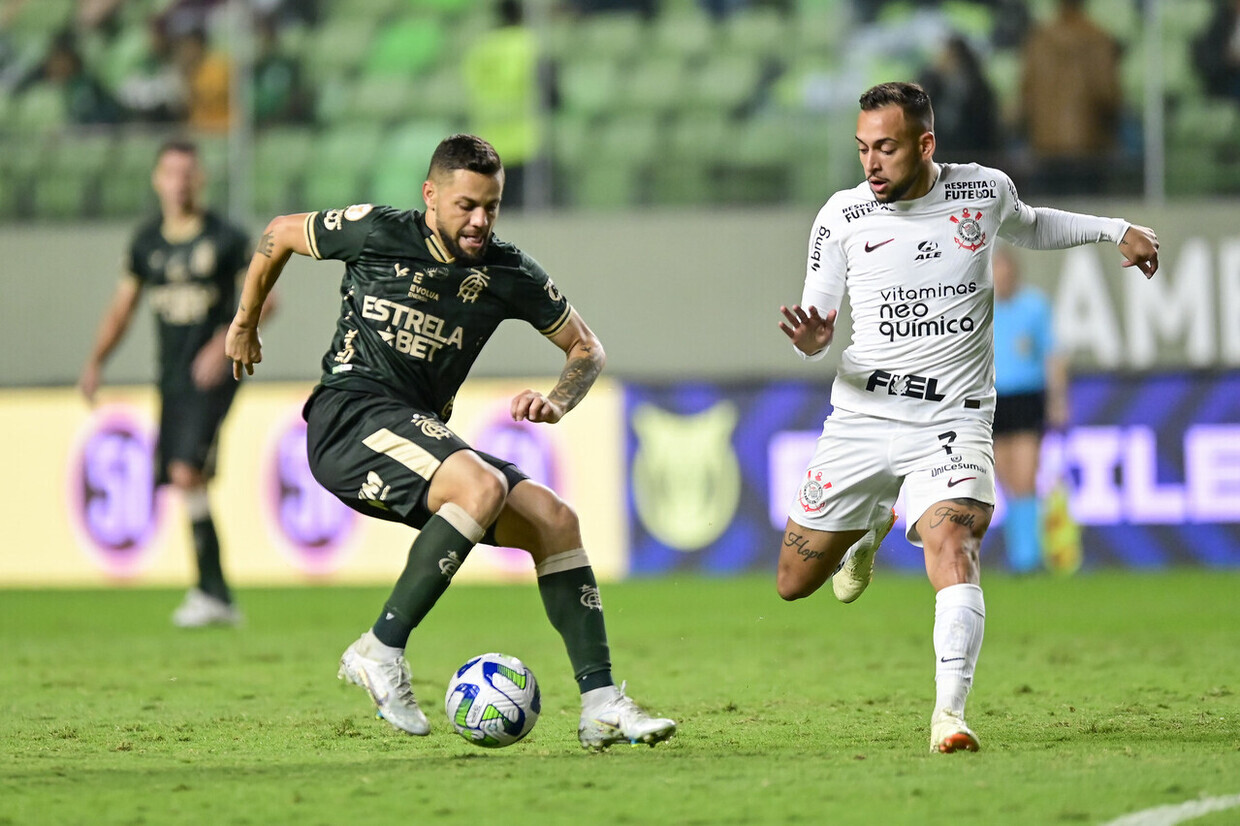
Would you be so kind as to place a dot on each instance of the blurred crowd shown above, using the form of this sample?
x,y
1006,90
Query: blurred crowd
x,y
1063,118
107,71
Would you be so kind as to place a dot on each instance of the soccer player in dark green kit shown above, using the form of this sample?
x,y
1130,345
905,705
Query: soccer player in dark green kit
x,y
189,260
421,294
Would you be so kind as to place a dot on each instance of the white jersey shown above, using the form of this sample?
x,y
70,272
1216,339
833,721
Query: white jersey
x,y
918,277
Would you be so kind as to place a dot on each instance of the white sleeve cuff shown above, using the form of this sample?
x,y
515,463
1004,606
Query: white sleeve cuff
x,y
815,357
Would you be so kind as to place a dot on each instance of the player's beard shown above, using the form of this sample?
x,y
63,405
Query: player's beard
x,y
449,241
895,191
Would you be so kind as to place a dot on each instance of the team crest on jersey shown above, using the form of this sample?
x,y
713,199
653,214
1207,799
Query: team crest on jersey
x,y
357,212
202,259
552,291
473,285
431,427
969,233
813,492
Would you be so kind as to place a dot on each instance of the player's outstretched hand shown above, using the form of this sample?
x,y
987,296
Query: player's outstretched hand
x,y
243,347
1139,247
809,331
533,406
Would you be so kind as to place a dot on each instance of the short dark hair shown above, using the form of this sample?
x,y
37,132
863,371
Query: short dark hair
x,y
910,97
184,145
465,152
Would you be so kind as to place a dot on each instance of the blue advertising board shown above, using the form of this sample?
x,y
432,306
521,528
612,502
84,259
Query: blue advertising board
x,y
1150,463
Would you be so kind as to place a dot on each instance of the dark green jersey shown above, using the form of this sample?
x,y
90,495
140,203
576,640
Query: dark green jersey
x,y
413,319
192,287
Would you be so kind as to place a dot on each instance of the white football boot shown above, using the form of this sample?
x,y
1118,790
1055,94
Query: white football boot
x,y
857,569
614,718
199,610
948,733
388,683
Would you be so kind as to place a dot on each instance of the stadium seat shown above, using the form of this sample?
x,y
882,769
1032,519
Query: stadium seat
x,y
339,47
441,95
8,195
40,110
655,85
704,136
1119,17
401,163
407,46
341,161
42,17
281,157
373,10
382,98
1203,123
687,33
572,140
613,184
765,142
615,35
125,187
723,83
973,20
589,86
759,30
1003,68
634,138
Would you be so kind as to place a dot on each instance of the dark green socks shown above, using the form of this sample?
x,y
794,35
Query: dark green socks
x,y
207,551
570,595
444,542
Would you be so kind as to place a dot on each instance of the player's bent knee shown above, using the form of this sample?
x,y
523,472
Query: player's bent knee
x,y
561,519
792,587
470,483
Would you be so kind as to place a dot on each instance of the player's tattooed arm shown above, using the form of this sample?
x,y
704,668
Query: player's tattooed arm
x,y
577,377
584,361
266,244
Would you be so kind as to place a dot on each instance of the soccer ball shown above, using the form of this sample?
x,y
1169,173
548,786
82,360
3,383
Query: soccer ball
x,y
493,700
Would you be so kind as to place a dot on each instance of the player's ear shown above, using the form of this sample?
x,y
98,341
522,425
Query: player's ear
x,y
428,192
927,144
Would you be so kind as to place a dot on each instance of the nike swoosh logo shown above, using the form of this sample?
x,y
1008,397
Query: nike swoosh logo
x,y
871,247
951,483
951,659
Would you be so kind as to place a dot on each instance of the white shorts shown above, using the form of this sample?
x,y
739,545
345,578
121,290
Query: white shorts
x,y
860,462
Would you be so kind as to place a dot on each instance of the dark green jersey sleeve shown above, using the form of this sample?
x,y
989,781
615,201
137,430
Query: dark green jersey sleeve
x,y
538,301
340,234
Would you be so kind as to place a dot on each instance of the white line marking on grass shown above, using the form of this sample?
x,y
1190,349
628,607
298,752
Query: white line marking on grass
x,y
1176,812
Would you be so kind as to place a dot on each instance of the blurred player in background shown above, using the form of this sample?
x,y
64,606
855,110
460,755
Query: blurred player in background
x,y
1031,392
189,260
422,293
914,396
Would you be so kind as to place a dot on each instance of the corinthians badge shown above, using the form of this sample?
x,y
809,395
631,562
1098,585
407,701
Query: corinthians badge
x,y
813,493
969,233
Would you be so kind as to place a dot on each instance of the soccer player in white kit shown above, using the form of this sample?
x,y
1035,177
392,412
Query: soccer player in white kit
x,y
914,396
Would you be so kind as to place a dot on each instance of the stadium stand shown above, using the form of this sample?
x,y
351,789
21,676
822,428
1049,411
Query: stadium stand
x,y
681,107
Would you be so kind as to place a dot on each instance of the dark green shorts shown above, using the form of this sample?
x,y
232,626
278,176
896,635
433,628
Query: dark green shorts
x,y
378,455
189,428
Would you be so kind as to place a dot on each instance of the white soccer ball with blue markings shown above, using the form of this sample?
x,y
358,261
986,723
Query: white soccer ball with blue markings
x,y
493,700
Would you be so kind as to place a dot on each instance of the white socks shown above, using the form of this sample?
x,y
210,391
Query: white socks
x,y
594,698
959,622
372,649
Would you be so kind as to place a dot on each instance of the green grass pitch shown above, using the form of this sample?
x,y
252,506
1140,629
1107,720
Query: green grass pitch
x,y
1096,696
